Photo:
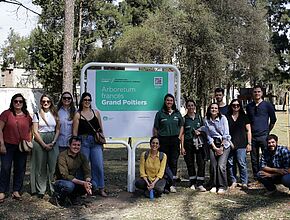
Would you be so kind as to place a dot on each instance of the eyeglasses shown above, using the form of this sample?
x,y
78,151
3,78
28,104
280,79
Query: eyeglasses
x,y
18,101
87,100
235,105
66,98
46,101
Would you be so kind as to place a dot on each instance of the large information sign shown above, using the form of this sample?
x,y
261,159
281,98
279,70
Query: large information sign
x,y
128,100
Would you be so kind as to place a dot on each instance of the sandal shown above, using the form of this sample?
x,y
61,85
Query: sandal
x,y
16,196
2,197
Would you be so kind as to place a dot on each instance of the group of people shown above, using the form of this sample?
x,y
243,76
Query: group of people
x,y
64,147
67,160
224,136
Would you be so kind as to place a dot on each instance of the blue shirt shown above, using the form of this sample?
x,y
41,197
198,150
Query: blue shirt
x,y
65,127
259,117
281,158
218,128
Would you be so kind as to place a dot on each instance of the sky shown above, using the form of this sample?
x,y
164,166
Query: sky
x,y
21,20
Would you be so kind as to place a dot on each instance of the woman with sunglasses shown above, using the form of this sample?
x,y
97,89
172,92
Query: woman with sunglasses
x,y
15,126
240,131
217,130
66,111
45,151
86,122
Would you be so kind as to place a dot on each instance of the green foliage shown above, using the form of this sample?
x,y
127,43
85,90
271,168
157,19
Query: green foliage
x,y
14,50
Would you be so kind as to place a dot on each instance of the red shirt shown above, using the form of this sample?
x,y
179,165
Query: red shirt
x,y
16,128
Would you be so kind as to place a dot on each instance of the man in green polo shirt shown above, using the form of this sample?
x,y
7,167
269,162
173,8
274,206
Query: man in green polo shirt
x,y
70,162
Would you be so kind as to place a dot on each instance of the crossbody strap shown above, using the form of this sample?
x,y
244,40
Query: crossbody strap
x,y
89,122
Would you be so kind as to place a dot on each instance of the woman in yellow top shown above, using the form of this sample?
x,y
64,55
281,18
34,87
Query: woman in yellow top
x,y
152,168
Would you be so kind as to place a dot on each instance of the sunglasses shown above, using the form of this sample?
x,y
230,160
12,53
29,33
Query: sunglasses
x,y
235,105
87,100
66,98
18,101
46,101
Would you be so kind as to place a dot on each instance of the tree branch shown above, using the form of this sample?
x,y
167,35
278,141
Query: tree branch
x,y
14,2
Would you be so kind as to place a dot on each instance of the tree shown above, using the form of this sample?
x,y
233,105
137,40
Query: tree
x,y
67,83
14,50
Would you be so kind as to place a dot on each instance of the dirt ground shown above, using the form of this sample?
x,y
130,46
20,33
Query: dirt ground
x,y
185,204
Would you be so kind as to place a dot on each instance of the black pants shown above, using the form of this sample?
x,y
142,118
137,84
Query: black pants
x,y
191,155
158,188
170,146
257,143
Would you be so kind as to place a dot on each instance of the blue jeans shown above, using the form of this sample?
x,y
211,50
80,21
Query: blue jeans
x,y
94,154
269,182
18,159
66,188
238,157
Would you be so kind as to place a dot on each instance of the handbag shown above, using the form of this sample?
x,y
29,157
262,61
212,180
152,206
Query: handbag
x,y
24,145
99,135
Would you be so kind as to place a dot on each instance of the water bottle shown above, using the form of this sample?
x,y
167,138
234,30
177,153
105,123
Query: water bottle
x,y
151,194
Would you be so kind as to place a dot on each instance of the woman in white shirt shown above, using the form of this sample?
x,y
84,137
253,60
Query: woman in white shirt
x,y
44,154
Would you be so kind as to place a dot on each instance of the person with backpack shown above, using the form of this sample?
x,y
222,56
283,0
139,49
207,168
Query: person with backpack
x,y
152,169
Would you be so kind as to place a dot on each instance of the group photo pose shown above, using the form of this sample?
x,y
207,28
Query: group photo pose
x,y
86,123
45,151
15,126
168,127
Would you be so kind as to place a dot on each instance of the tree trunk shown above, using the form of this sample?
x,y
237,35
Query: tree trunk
x,y
68,47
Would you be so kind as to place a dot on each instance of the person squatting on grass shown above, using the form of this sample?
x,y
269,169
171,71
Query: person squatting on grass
x,y
68,184
152,169
275,165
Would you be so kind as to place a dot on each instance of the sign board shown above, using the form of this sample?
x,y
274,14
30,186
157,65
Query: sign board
x,y
128,100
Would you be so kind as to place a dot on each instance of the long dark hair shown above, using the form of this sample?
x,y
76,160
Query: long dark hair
x,y
164,107
82,99
52,108
241,111
208,113
72,109
24,106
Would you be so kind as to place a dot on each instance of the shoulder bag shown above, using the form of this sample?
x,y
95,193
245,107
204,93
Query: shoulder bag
x,y
24,145
99,135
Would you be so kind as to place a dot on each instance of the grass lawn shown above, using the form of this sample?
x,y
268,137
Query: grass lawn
x,y
185,204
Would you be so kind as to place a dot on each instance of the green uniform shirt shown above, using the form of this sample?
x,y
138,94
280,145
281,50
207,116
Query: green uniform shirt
x,y
68,165
190,125
168,124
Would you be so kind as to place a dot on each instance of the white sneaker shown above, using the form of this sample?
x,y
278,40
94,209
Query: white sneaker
x,y
201,188
172,189
192,187
221,191
213,190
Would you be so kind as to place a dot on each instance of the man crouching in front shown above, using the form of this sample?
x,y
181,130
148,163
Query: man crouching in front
x,y
275,165
70,164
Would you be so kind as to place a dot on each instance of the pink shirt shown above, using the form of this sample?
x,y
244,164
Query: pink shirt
x,y
16,128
